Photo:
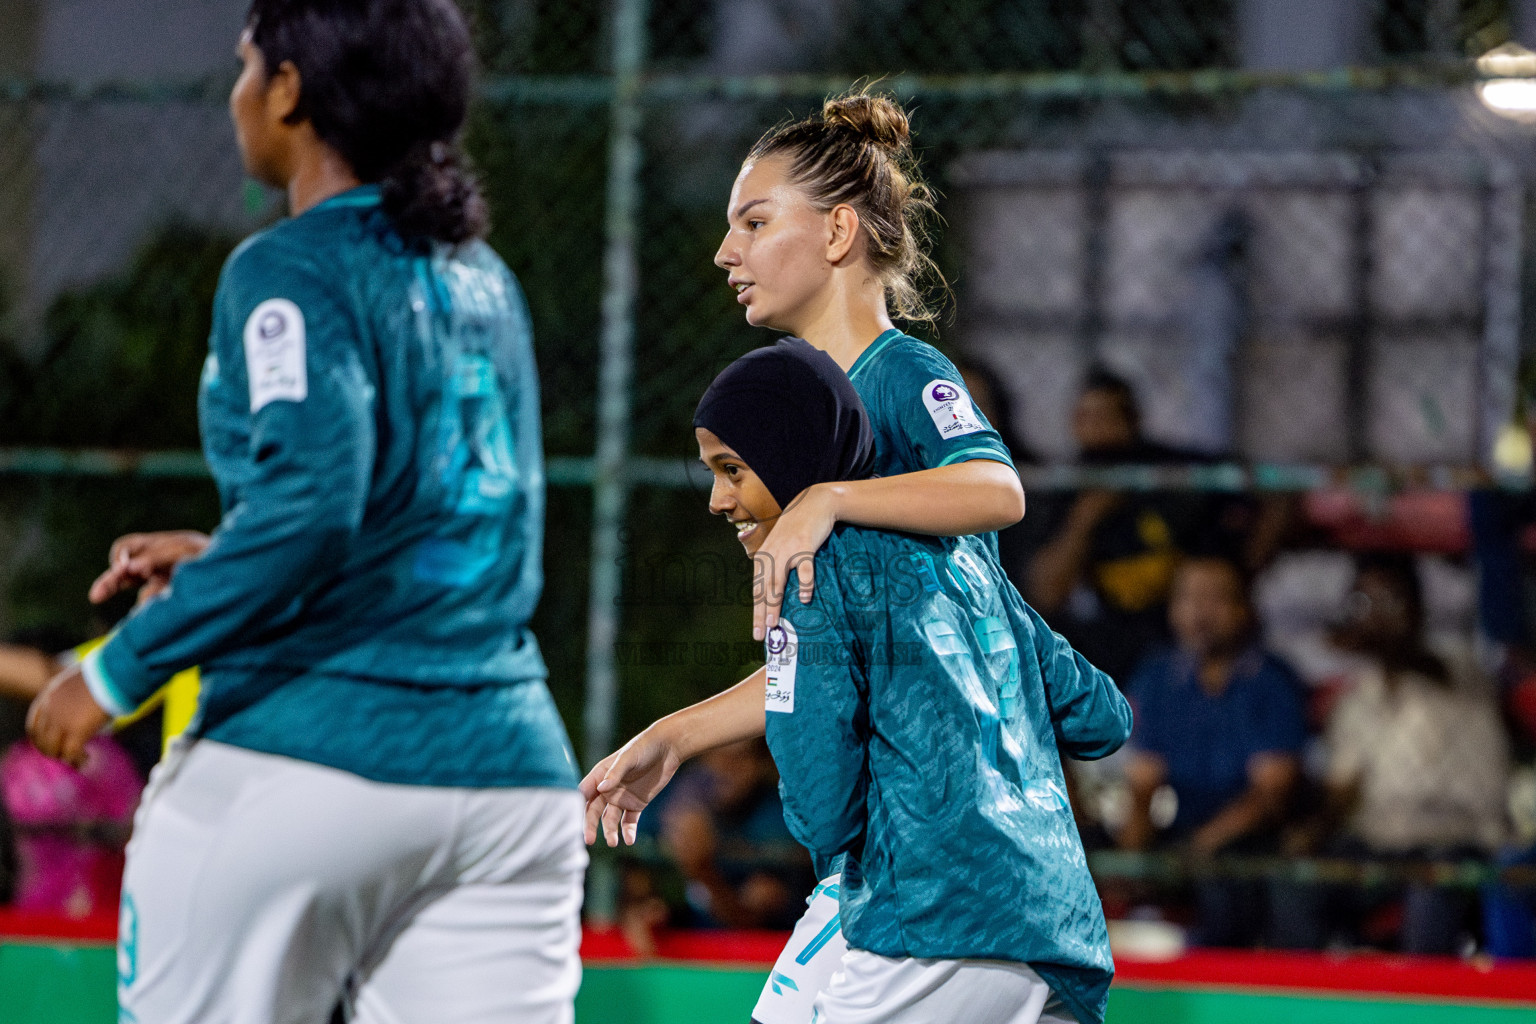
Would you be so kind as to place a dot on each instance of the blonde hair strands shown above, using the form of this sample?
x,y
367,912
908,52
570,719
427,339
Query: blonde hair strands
x,y
858,151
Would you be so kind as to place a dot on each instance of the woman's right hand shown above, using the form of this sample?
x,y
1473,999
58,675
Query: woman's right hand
x,y
625,782
146,560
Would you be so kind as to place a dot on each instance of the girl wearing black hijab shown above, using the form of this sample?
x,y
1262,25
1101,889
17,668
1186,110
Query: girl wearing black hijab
x,y
918,711
789,413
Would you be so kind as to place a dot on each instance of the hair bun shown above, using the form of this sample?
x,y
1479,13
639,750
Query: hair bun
x,y
877,118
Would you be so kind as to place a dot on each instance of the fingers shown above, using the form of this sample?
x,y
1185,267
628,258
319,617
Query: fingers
x,y
125,547
121,572
612,819
595,808
149,554
590,786
771,573
72,748
807,569
43,727
110,583
630,821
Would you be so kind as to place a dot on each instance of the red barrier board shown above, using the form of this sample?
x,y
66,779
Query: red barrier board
x,y
20,924
734,947
1356,973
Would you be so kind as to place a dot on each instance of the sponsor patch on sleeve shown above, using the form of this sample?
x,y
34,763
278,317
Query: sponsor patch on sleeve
x,y
783,656
274,354
951,409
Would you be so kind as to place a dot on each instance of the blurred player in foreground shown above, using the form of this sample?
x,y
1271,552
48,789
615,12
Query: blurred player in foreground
x,y
376,810
917,710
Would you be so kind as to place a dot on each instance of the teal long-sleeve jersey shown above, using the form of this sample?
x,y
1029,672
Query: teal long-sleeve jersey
x,y
919,408
918,710
370,414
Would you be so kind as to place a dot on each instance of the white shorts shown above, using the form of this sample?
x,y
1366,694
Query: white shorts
x,y
814,954
819,980
267,890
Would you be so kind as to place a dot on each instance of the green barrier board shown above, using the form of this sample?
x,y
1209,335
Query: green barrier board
x,y
42,984
58,984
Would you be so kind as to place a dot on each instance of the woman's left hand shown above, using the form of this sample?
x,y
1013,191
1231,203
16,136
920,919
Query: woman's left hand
x,y
64,717
800,532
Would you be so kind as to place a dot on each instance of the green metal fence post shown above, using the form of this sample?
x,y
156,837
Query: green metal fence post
x,y
610,489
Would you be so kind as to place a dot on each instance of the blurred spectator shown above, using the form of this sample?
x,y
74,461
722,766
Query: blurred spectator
x,y
724,827
71,826
992,396
7,858
1103,568
1499,520
24,671
1222,723
65,829
1417,770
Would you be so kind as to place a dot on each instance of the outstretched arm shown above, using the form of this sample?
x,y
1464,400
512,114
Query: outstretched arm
x,y
977,496
1060,563
24,671
624,783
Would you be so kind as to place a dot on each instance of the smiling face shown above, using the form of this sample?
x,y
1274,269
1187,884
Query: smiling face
x,y
776,249
738,493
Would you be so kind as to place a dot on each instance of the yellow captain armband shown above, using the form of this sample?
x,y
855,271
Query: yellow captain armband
x,y
178,697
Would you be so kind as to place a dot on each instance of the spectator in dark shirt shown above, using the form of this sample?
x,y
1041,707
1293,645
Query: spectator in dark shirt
x,y
1222,723
1102,570
7,859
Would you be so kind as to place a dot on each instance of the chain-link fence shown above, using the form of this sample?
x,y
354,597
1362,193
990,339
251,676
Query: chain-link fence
x,y
1292,264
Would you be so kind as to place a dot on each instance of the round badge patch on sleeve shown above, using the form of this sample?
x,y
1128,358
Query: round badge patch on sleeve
x,y
951,409
274,354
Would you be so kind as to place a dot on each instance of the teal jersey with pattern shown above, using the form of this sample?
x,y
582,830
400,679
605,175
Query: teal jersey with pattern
x,y
920,411
919,408
370,414
918,711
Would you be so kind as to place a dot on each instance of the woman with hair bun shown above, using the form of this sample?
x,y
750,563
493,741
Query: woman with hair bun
x,y
375,813
826,243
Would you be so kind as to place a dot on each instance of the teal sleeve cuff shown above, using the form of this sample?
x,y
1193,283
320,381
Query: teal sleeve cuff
x,y
123,675
100,684
986,453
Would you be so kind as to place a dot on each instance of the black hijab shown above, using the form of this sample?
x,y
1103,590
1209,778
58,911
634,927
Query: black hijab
x,y
789,411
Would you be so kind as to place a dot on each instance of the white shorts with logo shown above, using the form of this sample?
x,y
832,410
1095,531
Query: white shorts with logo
x,y
267,890
819,980
813,956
